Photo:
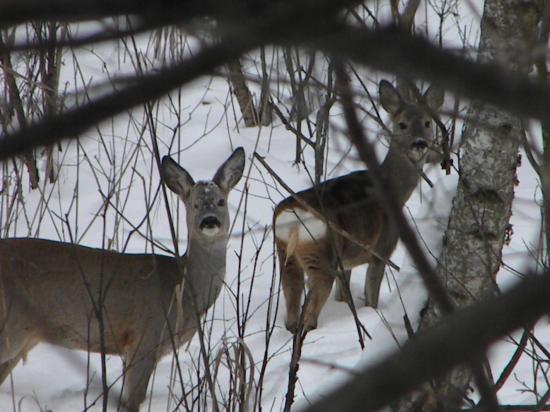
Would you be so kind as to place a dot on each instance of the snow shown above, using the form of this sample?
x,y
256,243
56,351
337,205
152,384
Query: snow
x,y
61,380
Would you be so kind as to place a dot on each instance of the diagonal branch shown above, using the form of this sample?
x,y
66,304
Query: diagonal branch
x,y
368,156
457,339
432,282
76,121
388,49
392,50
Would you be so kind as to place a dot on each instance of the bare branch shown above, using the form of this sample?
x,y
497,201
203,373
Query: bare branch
x,y
392,50
388,49
74,122
457,339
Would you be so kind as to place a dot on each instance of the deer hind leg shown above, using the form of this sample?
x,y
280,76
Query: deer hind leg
x,y
319,287
342,286
138,367
320,278
292,279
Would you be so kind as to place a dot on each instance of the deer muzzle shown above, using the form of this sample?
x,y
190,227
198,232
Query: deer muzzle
x,y
418,150
210,225
419,144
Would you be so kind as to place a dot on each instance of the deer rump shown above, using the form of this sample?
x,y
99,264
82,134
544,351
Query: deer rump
x,y
348,203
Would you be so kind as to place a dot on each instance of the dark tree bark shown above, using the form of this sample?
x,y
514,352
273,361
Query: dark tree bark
x,y
543,167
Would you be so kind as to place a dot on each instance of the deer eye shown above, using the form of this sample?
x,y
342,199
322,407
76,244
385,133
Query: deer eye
x,y
221,202
196,205
427,124
402,125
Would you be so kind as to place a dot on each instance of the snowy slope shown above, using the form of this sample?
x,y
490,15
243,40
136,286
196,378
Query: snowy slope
x,y
60,380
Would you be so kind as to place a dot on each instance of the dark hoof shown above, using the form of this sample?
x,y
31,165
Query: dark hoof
x,y
292,327
310,325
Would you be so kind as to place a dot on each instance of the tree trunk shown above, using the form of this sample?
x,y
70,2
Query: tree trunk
x,y
475,235
264,108
50,65
543,168
16,103
242,93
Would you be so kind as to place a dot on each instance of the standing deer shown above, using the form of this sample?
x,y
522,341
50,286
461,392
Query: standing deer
x,y
303,235
119,303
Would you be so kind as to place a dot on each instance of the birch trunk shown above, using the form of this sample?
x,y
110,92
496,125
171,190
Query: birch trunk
x,y
477,227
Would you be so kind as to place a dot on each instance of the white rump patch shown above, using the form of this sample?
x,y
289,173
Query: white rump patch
x,y
307,225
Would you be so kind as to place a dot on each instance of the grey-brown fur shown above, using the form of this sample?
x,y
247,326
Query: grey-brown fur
x,y
55,292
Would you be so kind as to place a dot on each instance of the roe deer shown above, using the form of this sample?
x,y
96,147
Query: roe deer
x,y
119,303
306,243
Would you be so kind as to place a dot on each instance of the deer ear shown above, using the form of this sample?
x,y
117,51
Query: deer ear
x,y
176,177
434,97
390,99
230,172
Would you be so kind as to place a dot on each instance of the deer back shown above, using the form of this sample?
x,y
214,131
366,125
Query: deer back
x,y
59,290
350,202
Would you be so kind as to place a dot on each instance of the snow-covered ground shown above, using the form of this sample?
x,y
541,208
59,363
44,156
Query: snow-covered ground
x,y
60,380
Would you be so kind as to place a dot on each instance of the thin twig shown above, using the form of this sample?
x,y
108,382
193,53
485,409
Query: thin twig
x,y
508,369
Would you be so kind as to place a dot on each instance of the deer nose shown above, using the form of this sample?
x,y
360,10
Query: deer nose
x,y
419,144
210,222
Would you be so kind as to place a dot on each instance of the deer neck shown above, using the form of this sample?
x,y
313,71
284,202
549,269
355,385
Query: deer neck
x,y
399,173
204,270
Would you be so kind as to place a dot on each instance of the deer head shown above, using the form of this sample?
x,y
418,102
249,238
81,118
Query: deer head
x,y
205,201
413,121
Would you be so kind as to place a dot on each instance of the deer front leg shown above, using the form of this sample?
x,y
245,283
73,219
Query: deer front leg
x,y
138,368
375,274
14,346
342,286
7,366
